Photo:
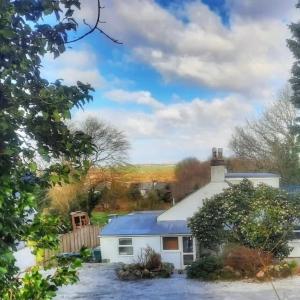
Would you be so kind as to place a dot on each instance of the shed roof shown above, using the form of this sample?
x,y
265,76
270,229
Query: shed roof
x,y
143,223
250,175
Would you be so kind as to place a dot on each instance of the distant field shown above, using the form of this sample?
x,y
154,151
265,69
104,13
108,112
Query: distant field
x,y
136,173
149,172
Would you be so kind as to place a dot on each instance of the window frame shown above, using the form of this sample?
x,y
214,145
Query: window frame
x,y
193,253
125,246
295,238
192,245
170,250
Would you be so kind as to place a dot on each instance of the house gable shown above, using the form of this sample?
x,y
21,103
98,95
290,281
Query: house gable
x,y
186,208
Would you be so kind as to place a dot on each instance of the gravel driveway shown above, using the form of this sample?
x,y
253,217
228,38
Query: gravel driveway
x,y
98,281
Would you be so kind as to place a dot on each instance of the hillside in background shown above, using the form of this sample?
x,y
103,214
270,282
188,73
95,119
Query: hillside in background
x,y
149,172
135,173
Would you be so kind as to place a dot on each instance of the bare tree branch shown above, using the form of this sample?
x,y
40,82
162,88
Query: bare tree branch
x,y
268,140
95,27
110,145
104,33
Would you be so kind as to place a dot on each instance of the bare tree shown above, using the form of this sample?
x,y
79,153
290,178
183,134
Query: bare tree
x,y
269,140
110,144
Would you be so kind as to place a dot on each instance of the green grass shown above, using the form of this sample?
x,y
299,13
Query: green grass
x,y
101,218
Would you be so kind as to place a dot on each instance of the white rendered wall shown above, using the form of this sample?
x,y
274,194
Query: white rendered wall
x,y
110,247
188,206
110,250
217,173
174,257
296,251
271,181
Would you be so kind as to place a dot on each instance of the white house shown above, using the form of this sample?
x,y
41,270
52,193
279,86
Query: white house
x,y
167,232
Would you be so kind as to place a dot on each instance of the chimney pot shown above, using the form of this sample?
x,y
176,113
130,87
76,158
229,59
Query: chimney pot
x,y
220,153
214,153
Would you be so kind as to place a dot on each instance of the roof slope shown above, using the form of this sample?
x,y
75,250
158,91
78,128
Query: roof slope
x,y
143,223
189,205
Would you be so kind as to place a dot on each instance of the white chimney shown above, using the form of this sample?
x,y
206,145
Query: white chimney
x,y
217,166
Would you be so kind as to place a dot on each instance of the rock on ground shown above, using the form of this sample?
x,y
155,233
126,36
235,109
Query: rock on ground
x,y
98,281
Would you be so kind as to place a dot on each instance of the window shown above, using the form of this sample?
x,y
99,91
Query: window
x,y
187,243
296,234
188,249
125,246
170,243
188,259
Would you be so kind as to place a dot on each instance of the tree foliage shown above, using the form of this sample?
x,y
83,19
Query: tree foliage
x,y
134,192
269,141
190,174
33,112
256,217
294,45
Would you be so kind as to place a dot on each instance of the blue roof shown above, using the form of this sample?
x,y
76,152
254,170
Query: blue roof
x,y
250,175
143,223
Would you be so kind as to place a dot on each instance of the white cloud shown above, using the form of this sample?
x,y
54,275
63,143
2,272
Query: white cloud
x,y
262,9
171,132
73,66
248,59
137,97
245,57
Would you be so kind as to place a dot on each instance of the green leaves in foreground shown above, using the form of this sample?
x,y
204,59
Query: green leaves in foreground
x,y
37,150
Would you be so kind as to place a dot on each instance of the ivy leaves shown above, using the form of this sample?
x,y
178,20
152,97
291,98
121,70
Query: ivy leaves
x,y
33,114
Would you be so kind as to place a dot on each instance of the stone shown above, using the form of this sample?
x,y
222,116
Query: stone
x,y
260,274
138,273
146,273
237,274
228,269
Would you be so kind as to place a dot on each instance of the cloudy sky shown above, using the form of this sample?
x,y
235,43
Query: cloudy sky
x,y
187,73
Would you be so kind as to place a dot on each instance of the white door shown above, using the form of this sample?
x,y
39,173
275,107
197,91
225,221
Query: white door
x,y
178,250
171,250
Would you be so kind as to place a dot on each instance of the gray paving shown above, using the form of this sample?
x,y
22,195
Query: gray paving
x,y
98,281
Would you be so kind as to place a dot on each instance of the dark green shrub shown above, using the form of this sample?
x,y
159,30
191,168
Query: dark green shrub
x,y
260,217
207,268
137,271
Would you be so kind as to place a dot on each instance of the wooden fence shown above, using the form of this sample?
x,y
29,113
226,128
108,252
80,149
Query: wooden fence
x,y
73,241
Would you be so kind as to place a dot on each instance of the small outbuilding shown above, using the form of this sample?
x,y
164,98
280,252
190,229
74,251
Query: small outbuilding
x,y
79,219
125,236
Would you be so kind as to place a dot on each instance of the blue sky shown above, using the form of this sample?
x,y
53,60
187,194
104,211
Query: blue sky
x,y
187,73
